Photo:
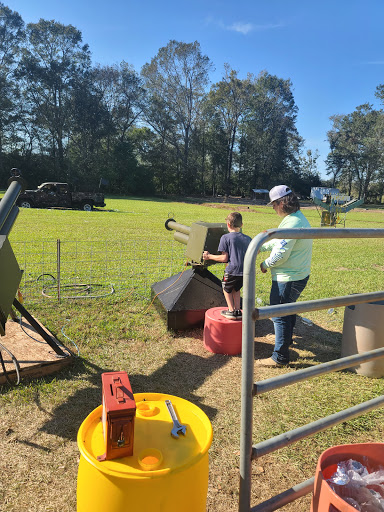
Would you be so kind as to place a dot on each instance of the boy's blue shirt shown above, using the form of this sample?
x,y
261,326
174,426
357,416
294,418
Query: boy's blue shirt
x,y
236,245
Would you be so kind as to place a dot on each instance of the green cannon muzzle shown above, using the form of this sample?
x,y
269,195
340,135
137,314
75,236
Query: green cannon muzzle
x,y
199,237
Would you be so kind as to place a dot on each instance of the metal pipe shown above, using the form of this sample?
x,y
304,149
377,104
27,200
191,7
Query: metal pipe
x,y
171,224
247,371
318,233
58,264
8,201
292,436
181,237
287,379
315,305
248,343
280,500
9,221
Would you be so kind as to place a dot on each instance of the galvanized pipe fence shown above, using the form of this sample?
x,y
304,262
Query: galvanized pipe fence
x,y
249,388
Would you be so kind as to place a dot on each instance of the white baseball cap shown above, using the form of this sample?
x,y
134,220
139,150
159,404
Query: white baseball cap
x,y
278,192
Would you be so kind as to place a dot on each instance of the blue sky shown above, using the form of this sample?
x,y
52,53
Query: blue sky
x,y
332,51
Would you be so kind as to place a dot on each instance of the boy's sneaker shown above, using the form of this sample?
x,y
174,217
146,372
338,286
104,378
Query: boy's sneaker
x,y
238,314
231,315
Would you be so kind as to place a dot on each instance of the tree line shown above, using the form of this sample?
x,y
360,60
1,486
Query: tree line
x,y
165,130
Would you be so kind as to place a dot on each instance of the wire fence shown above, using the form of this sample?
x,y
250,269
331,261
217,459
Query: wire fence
x,y
59,269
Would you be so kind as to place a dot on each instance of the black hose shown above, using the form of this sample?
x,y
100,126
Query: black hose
x,y
15,362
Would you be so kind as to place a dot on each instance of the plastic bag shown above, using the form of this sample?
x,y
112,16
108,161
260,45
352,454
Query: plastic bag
x,y
362,490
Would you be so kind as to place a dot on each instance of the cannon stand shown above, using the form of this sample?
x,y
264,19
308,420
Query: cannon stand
x,y
183,299
39,329
28,349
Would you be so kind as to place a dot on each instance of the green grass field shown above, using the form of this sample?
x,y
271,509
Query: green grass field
x,y
127,244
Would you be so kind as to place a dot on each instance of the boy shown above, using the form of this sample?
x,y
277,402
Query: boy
x,y
233,246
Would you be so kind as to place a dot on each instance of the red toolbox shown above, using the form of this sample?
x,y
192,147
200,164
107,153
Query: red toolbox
x,y
119,410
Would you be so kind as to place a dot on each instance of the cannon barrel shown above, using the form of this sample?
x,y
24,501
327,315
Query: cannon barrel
x,y
10,273
8,208
181,237
181,232
199,237
171,224
9,221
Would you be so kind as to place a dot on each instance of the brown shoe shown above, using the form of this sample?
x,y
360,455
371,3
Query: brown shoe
x,y
269,363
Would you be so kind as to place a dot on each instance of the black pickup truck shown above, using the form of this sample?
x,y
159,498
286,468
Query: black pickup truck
x,y
56,195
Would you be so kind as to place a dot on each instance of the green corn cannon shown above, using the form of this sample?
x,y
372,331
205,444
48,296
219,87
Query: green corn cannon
x,y
10,273
184,298
199,237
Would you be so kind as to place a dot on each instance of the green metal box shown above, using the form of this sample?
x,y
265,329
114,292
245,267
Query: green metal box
x,y
204,236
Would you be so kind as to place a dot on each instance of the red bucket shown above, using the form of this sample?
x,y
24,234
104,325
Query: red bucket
x,y
221,335
369,454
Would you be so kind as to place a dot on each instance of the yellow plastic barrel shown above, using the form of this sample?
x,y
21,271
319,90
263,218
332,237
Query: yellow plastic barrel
x,y
164,474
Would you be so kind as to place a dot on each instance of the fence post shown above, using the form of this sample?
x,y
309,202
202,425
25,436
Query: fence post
x,y
58,262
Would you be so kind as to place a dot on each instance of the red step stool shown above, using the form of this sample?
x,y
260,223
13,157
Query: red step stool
x,y
221,335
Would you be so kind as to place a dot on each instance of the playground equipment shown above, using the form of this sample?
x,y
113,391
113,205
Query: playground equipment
x,y
335,205
185,297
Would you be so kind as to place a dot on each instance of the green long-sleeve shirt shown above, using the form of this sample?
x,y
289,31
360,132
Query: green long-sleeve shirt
x,y
290,259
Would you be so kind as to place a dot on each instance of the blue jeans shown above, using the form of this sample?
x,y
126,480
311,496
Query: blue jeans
x,y
284,293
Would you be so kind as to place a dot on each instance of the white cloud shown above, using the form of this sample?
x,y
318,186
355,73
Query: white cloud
x,y
243,27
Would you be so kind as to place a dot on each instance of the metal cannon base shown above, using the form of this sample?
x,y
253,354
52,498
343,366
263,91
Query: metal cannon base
x,y
183,299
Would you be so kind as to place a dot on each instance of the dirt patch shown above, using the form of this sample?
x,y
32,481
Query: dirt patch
x,y
230,207
229,202
345,269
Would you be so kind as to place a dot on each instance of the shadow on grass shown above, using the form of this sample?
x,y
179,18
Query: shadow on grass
x,y
179,376
312,344
319,345
67,417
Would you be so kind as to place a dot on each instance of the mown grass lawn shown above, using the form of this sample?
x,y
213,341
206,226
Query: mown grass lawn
x,y
40,418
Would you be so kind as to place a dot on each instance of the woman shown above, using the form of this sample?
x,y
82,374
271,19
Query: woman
x,y
290,265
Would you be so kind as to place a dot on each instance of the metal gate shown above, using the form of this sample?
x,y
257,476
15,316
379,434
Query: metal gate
x,y
249,388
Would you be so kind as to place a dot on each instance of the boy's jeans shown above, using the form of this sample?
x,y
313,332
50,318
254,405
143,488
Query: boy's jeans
x,y
283,293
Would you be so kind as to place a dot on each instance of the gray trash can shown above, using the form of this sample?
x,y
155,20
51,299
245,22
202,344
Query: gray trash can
x,y
363,330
